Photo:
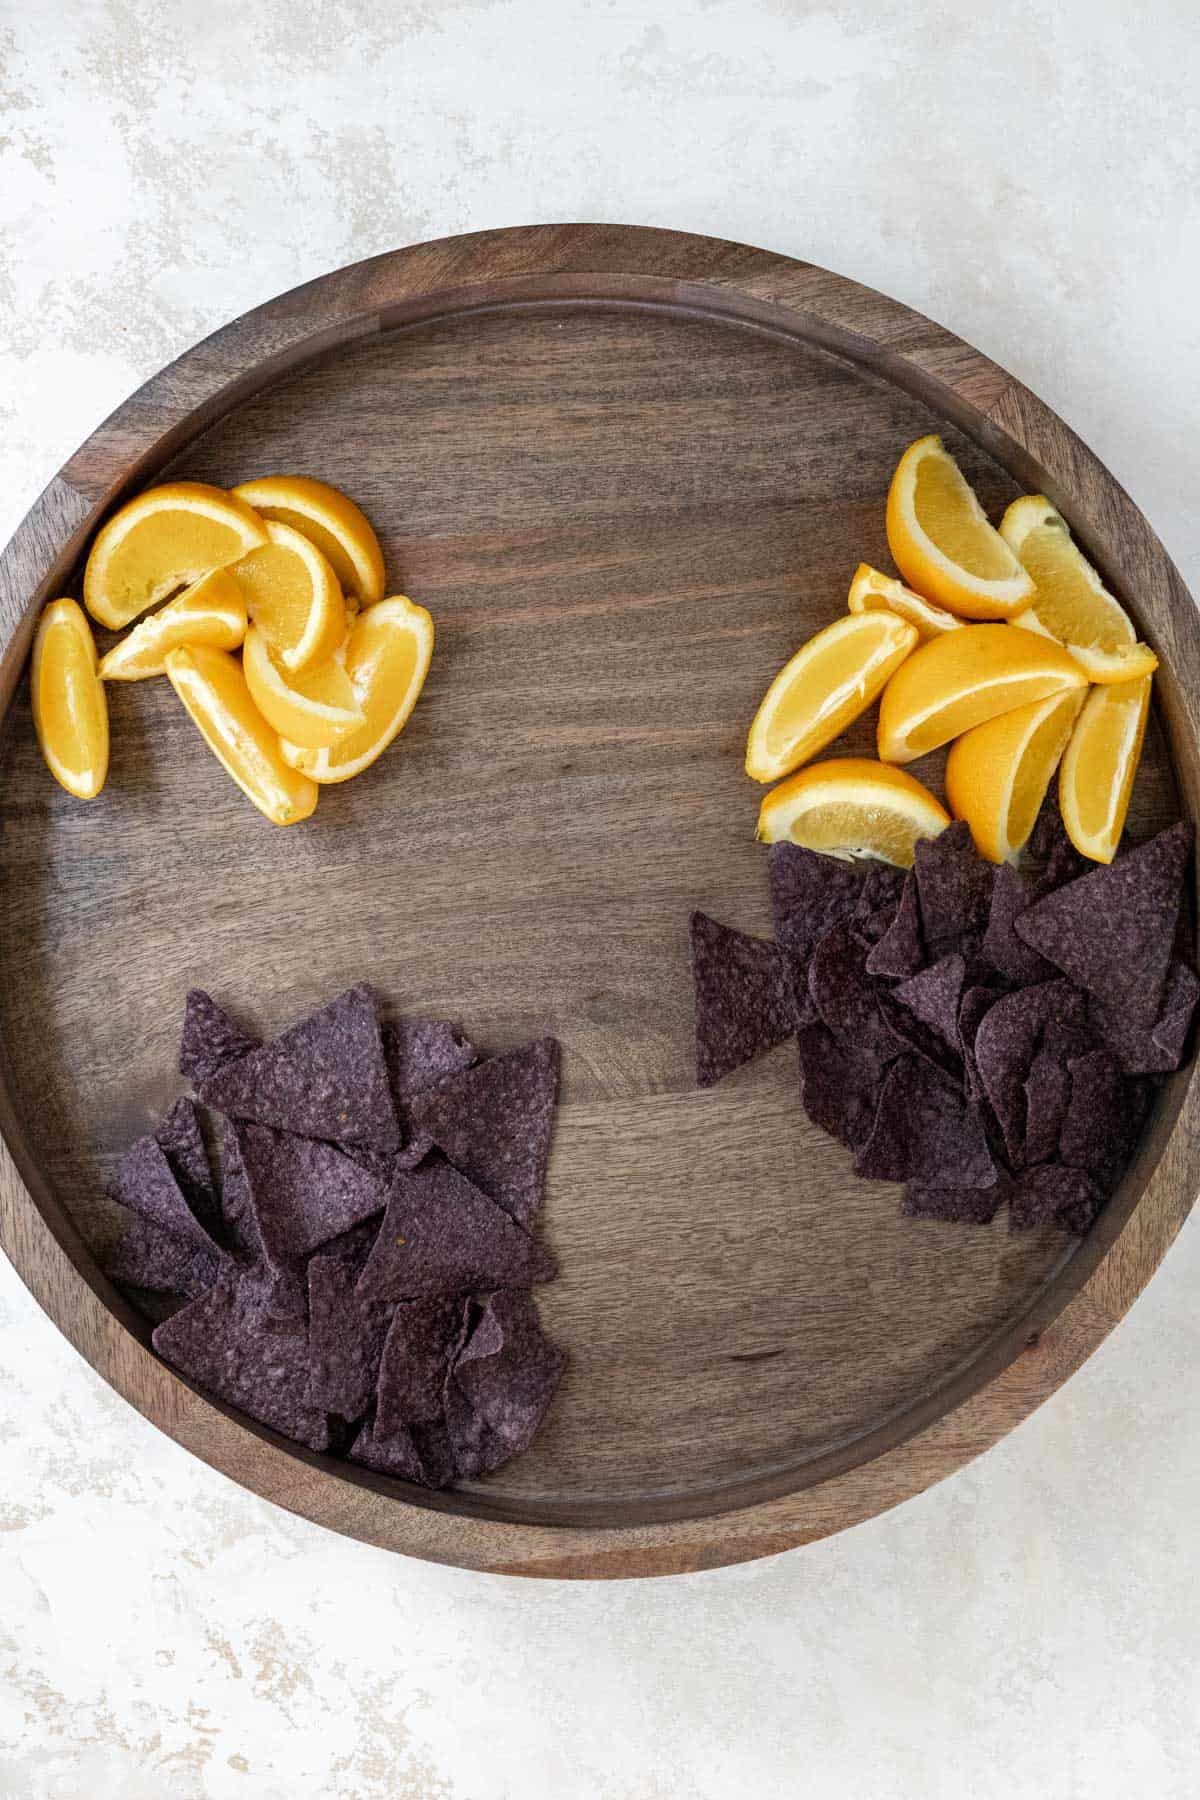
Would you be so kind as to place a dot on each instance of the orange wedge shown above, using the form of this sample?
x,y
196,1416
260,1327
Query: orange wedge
x,y
314,710
852,807
942,543
1070,601
387,659
211,611
165,539
1100,762
292,595
70,709
997,775
825,686
212,687
330,520
964,678
873,591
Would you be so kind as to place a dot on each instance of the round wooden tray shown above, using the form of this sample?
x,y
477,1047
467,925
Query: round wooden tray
x,y
628,471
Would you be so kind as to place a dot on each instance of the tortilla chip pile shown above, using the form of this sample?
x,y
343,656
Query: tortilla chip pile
x,y
361,1279
981,1034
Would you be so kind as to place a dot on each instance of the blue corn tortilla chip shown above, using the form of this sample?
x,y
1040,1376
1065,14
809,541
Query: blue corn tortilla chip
x,y
181,1141
1006,1043
839,1090
1054,1195
418,1453
354,1246
210,1038
953,1206
1012,895
1047,1094
419,1052
1155,1049
151,1258
1054,857
845,997
422,1337
878,897
325,1078
501,1384
1104,1118
495,1121
223,1342
302,1192
1112,931
900,952
345,1338
954,890
973,1008
809,895
743,998
145,1182
926,1132
912,1034
238,1223
442,1236
934,996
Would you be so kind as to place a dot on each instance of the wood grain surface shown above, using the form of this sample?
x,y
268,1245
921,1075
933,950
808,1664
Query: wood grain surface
x,y
628,471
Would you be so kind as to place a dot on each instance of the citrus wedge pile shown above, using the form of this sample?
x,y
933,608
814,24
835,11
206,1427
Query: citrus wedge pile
x,y
989,644
284,570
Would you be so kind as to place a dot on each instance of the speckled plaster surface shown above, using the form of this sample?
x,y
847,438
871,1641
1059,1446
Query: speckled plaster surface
x,y
1029,175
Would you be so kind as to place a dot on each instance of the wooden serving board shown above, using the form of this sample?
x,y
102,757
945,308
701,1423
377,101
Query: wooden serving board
x,y
628,471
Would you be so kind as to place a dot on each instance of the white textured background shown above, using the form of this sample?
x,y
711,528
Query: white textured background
x,y
1032,179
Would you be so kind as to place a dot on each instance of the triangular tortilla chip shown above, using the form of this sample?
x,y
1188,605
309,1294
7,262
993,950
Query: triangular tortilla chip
x,y
809,895
954,890
149,1257
1113,930
743,999
901,950
345,1338
1054,1195
181,1140
303,1192
325,1078
501,1384
495,1122
422,1337
143,1181
210,1038
934,996
838,1090
846,998
925,1132
442,1236
1006,1043
418,1453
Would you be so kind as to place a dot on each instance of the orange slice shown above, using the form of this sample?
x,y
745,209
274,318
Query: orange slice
x,y
997,774
212,687
964,678
826,685
70,709
292,595
211,611
1100,762
1070,601
942,543
314,709
330,520
163,540
387,659
852,807
873,591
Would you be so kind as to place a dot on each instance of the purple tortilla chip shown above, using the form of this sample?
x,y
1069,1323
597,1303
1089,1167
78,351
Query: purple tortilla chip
x,y
974,1007
1012,895
839,1091
1006,1043
144,1182
934,996
879,892
914,1035
325,1078
846,998
954,1206
1157,1049
149,1257
1055,857
1047,1093
210,1038
926,1132
954,890
900,952
1180,995
220,1343
423,1336
354,1246
495,1121
419,1052
1112,931
810,894
743,998
182,1143
420,1453
345,1338
303,1192
442,1236
237,1213
1054,1195
501,1385
1104,1118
